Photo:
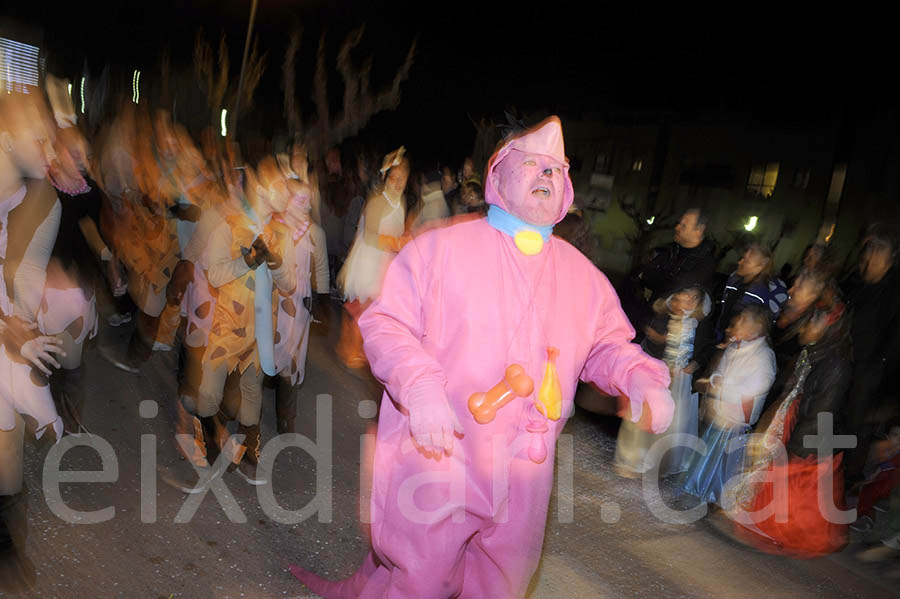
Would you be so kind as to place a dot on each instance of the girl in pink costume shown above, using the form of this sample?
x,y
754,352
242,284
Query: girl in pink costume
x,y
459,306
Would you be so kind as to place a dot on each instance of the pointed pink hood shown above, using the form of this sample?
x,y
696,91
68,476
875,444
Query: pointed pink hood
x,y
544,138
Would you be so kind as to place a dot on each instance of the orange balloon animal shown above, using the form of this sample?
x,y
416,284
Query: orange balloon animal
x,y
515,383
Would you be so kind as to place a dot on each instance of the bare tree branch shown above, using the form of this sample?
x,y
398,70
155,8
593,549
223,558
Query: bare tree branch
x,y
256,66
203,64
320,91
221,83
292,112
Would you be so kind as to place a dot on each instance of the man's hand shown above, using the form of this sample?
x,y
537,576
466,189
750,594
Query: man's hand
x,y
40,350
691,368
181,277
701,386
390,243
116,276
432,424
655,337
272,260
648,390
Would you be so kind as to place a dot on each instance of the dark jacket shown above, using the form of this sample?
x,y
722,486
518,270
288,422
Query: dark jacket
x,y
771,293
876,322
676,267
824,391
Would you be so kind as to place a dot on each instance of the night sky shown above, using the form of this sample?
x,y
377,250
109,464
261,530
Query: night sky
x,y
481,58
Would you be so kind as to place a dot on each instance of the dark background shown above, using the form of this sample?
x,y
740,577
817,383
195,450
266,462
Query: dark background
x,y
478,59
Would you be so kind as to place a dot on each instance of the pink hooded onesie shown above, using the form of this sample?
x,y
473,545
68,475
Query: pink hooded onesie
x,y
460,305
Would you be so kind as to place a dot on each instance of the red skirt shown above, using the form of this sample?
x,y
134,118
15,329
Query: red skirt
x,y
807,532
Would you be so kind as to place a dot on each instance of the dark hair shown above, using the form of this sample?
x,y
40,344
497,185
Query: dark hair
x,y
759,314
885,234
702,218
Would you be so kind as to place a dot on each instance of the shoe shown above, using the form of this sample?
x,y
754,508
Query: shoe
x,y
252,473
248,464
118,363
118,319
195,449
863,524
200,480
626,472
893,542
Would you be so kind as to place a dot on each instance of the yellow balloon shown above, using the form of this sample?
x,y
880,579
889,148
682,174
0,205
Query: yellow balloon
x,y
529,242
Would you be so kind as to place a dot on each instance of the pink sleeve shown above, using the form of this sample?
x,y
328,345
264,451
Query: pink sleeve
x,y
392,329
614,361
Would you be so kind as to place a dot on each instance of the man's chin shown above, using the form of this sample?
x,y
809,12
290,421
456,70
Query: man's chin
x,y
537,218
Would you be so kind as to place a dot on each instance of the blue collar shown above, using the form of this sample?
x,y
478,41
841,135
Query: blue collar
x,y
510,224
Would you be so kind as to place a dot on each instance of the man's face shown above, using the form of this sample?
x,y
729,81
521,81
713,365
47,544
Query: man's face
x,y
750,265
814,330
687,232
742,328
30,136
875,260
532,186
803,293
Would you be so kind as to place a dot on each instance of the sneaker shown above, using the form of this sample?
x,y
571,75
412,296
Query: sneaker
x,y
159,346
199,481
864,524
252,473
118,319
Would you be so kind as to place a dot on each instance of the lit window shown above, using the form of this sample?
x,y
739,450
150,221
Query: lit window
x,y
763,178
637,165
18,65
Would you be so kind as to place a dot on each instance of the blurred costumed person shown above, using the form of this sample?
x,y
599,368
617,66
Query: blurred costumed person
x,y
29,221
463,307
433,208
678,329
379,236
789,498
294,313
251,266
735,393
69,306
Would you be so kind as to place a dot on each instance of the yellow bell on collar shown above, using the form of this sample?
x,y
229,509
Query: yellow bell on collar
x,y
529,242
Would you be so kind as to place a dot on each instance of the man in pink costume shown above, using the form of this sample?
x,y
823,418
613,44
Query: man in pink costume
x,y
459,306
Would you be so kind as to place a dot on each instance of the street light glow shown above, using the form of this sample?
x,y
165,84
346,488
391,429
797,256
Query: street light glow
x,y
751,224
651,219
224,129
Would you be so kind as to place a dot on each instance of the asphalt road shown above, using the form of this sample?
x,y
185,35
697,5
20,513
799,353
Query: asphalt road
x,y
609,544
